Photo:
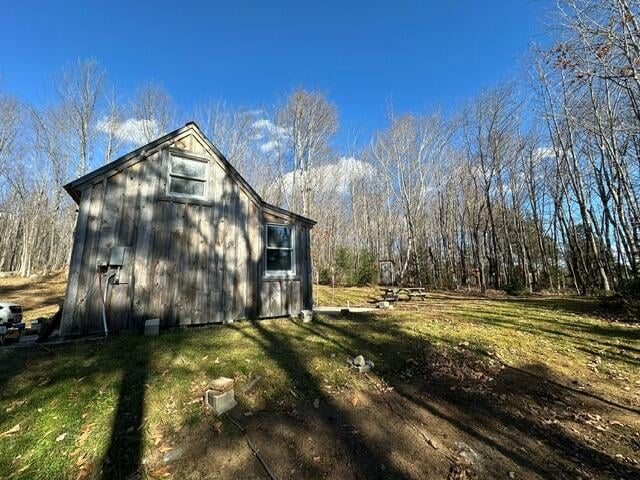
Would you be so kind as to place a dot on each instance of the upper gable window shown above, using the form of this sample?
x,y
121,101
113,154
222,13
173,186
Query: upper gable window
x,y
187,177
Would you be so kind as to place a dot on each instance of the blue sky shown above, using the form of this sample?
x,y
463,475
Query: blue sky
x,y
363,54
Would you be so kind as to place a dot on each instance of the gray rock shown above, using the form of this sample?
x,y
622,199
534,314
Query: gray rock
x,y
359,361
364,368
173,455
370,363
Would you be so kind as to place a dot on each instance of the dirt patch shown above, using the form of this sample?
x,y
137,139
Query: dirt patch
x,y
451,417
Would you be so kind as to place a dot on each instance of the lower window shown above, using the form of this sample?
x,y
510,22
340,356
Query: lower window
x,y
280,249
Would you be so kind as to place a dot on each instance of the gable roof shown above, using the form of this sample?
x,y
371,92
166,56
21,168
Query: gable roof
x,y
74,187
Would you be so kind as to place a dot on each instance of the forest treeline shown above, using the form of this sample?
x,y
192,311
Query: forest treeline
x,y
531,185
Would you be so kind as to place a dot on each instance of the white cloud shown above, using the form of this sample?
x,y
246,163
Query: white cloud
x,y
270,146
336,176
131,130
266,129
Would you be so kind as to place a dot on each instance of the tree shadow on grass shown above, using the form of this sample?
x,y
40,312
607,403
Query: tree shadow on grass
x,y
124,454
585,337
501,425
366,457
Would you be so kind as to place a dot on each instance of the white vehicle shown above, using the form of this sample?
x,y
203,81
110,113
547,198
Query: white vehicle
x,y
11,326
10,313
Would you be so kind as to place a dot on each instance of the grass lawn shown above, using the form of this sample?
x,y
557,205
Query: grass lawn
x,y
463,387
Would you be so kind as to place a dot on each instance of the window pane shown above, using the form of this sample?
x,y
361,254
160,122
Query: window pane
x,y
186,187
278,260
278,237
188,168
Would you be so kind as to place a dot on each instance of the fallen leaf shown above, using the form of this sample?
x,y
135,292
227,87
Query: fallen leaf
x,y
205,357
60,438
11,431
161,472
354,400
85,470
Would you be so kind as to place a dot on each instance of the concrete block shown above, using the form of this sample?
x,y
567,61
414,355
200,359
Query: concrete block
x,y
220,402
306,316
152,327
222,384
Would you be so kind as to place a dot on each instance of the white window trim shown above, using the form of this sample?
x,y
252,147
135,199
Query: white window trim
x,y
170,175
280,273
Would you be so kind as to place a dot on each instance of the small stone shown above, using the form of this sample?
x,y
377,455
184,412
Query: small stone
x,y
364,368
306,316
370,363
512,475
358,361
60,438
384,304
173,455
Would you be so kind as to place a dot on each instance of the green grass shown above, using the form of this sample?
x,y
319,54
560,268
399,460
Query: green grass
x,y
130,394
77,389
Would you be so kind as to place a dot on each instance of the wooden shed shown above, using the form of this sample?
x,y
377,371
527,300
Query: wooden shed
x,y
172,231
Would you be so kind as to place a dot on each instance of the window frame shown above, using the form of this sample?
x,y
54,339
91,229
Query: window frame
x,y
280,273
171,174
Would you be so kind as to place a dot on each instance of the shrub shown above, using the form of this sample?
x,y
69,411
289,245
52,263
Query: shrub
x,y
367,271
515,286
324,276
344,267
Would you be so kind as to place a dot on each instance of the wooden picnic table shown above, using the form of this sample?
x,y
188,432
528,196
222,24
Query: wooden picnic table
x,y
393,293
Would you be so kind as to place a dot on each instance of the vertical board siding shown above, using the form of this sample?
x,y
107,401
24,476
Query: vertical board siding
x,y
89,293
229,272
144,240
75,264
185,262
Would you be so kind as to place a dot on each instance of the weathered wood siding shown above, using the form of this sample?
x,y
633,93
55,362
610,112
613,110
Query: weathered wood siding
x,y
186,261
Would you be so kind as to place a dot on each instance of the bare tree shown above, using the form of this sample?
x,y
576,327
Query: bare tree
x,y
79,89
155,111
310,121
